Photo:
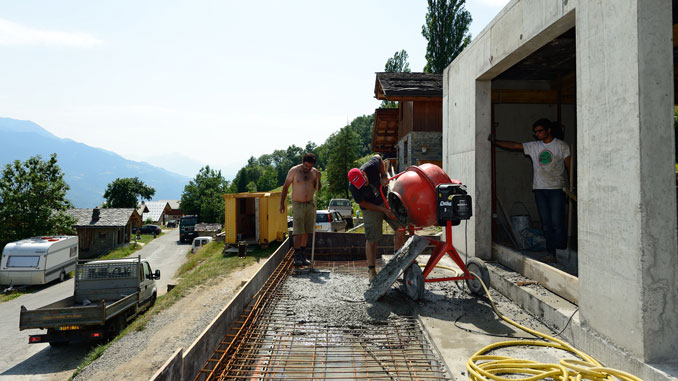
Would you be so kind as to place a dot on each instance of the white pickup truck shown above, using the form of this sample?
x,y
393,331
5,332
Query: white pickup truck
x,y
107,295
344,207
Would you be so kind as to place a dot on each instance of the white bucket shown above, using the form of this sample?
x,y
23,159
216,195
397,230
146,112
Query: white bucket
x,y
520,223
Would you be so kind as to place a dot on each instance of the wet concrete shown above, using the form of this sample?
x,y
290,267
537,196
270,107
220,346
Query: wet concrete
x,y
456,323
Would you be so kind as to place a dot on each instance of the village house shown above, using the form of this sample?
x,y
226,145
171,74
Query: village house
x,y
101,230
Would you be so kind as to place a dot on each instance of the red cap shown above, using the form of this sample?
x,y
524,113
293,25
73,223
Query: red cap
x,y
355,176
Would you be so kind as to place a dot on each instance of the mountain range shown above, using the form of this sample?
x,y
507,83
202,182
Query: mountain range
x,y
87,170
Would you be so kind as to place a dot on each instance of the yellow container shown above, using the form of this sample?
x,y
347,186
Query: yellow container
x,y
254,217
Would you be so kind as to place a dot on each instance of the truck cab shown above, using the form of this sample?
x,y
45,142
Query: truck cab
x,y
187,228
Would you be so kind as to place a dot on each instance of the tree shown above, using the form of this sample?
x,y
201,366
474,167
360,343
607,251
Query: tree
x,y
446,29
204,195
343,151
396,64
127,193
33,200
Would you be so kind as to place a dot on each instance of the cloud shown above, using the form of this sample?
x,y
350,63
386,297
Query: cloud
x,y
13,34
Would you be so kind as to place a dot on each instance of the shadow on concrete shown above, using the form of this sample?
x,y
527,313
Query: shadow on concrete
x,y
52,360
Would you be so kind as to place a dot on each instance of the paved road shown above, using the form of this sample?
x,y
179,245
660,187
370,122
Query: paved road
x,y
21,361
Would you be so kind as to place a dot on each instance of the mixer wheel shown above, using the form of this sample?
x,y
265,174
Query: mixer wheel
x,y
479,268
413,282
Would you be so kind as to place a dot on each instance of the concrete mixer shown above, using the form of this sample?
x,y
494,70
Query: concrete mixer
x,y
423,196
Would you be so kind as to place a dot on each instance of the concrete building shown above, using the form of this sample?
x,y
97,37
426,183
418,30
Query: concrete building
x,y
605,71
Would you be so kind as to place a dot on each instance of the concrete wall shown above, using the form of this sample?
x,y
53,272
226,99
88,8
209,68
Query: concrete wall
x,y
628,262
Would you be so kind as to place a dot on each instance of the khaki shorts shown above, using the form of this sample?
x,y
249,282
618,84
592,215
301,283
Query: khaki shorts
x,y
374,226
303,217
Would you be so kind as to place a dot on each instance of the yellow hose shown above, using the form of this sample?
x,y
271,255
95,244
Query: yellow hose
x,y
487,367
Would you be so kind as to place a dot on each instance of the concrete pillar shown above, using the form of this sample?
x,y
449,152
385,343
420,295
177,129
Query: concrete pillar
x,y
628,261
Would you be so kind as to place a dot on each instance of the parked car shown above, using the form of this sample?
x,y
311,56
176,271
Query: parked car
x,y
344,207
199,242
329,221
172,224
149,229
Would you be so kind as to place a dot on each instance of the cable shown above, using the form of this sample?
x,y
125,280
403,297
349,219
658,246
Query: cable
x,y
490,367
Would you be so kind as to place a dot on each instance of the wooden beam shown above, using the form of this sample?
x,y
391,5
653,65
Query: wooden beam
x,y
531,97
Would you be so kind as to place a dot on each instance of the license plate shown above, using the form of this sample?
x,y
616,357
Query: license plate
x,y
69,328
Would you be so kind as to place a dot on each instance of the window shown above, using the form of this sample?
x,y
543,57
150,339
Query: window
x,y
16,261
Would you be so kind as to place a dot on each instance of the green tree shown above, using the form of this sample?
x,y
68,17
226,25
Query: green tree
x,y
204,195
396,64
268,180
446,29
33,200
362,126
127,193
343,151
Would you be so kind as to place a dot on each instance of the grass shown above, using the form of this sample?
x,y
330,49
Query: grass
x,y
205,267
128,250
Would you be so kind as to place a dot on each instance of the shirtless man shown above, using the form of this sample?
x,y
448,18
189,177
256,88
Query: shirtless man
x,y
306,180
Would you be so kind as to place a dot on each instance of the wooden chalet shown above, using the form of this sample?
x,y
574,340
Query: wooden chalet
x,y
101,230
412,133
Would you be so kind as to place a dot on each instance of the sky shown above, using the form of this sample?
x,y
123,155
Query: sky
x,y
184,84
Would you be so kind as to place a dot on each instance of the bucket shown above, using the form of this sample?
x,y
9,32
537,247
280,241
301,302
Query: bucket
x,y
520,223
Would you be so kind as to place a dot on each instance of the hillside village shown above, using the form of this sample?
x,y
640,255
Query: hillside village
x,y
597,78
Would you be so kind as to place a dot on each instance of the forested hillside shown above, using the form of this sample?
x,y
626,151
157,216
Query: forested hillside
x,y
336,156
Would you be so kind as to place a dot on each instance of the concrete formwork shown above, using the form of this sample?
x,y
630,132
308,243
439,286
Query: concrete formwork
x,y
628,262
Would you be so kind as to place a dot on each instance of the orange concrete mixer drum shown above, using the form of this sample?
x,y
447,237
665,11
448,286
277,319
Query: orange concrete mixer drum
x,y
413,196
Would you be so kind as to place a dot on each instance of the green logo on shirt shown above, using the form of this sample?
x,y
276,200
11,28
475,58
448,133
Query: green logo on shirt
x,y
545,157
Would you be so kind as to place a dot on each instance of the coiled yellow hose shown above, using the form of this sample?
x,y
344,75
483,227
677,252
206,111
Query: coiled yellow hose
x,y
488,367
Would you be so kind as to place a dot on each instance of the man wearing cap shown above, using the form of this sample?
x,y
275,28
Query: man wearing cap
x,y
306,180
366,187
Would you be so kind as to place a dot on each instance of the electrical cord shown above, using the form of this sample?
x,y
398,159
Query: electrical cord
x,y
490,367
482,366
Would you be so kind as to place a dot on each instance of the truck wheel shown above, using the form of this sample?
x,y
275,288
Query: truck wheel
x,y
152,301
62,277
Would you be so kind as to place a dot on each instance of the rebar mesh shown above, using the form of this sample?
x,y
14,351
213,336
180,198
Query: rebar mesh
x,y
272,340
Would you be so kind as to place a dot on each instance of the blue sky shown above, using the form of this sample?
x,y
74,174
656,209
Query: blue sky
x,y
183,84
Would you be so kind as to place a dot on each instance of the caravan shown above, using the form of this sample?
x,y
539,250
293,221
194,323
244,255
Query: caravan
x,y
38,260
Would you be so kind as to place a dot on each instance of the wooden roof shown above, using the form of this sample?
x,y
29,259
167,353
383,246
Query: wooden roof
x,y
408,87
99,218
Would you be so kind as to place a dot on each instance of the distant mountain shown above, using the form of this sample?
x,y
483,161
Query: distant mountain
x,y
88,170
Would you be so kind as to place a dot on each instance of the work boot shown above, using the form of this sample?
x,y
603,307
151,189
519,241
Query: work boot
x,y
300,259
372,273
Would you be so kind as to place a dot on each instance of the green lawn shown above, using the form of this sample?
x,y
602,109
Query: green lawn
x,y
128,250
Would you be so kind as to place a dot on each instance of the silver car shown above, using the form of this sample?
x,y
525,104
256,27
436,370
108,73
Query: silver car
x,y
329,221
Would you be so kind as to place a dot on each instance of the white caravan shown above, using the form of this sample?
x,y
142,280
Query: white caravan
x,y
38,260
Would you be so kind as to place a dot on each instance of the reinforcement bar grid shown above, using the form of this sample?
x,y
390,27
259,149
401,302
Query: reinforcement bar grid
x,y
267,343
